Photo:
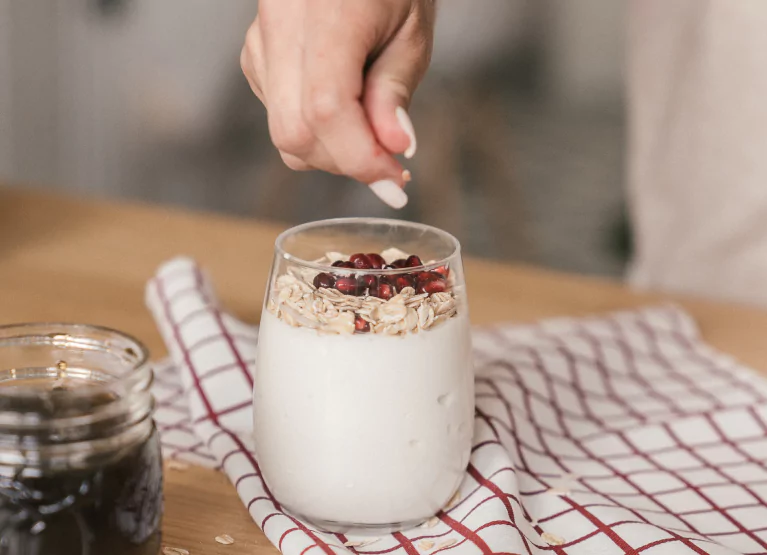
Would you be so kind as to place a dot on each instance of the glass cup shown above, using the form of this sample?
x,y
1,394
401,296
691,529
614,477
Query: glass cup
x,y
364,387
80,461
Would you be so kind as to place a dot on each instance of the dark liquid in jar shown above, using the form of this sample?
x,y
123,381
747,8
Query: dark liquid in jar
x,y
107,506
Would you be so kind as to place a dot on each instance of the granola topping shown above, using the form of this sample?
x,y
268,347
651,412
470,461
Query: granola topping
x,y
344,303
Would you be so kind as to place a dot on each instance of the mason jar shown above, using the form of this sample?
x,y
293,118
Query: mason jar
x,y
80,461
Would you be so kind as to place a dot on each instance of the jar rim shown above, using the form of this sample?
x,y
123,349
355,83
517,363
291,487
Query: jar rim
x,y
135,380
141,351
283,253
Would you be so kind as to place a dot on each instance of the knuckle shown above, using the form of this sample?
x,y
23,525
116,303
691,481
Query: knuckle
x,y
291,136
294,163
253,36
322,105
245,61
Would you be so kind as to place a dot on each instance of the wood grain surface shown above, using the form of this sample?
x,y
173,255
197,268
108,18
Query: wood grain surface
x,y
69,259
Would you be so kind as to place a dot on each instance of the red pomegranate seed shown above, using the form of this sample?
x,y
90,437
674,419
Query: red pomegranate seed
x,y
425,276
365,283
361,325
360,261
444,271
403,281
413,261
437,285
347,285
342,264
399,263
376,260
382,291
430,282
324,280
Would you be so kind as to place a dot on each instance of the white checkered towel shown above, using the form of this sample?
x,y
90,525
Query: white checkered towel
x,y
617,434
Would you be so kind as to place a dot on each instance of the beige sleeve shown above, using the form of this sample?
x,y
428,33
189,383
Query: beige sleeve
x,y
697,73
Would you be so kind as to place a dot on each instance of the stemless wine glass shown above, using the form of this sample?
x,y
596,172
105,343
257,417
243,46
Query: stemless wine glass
x,y
364,387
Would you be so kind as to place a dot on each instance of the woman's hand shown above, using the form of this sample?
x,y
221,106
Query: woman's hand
x,y
336,77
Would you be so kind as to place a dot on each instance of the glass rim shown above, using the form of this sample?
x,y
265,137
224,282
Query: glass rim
x,y
285,255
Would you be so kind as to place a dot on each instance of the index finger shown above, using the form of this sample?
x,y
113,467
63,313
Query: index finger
x,y
334,64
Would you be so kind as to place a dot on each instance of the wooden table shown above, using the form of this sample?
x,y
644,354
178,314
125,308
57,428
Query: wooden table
x,y
66,259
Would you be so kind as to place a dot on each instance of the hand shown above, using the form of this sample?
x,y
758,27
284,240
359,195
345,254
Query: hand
x,y
336,77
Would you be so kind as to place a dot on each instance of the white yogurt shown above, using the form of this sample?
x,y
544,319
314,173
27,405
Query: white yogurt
x,y
363,429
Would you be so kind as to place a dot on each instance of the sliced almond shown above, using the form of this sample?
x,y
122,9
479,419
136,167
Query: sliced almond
x,y
173,464
454,500
425,544
447,543
392,253
332,256
225,539
443,307
286,280
390,312
560,492
408,292
174,551
552,539
411,320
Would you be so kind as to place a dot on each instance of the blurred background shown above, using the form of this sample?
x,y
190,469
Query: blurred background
x,y
520,121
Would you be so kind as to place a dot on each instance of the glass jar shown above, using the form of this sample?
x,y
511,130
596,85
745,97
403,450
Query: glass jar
x,y
364,389
80,461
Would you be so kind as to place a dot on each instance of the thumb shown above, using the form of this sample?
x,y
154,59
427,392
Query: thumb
x,y
389,86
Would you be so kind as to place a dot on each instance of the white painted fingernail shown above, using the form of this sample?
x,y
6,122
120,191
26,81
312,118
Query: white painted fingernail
x,y
407,127
389,192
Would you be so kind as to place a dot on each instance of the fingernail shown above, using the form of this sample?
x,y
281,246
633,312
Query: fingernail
x,y
407,127
389,192
407,176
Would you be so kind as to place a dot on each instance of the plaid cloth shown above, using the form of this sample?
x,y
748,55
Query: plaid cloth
x,y
616,434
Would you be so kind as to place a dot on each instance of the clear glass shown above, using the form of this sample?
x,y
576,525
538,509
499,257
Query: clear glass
x,y
364,387
80,461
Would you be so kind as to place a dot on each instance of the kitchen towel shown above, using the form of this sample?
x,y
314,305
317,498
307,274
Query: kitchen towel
x,y
614,434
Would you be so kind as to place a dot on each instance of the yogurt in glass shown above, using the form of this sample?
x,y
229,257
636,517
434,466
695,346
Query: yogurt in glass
x,y
364,389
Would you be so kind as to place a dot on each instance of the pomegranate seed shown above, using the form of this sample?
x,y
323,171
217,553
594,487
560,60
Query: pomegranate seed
x,y
360,261
399,263
361,325
365,283
347,285
444,271
383,291
406,280
376,260
342,264
425,276
324,280
437,285
413,261
430,282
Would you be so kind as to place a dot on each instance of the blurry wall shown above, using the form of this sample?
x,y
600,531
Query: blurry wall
x,y
92,88
519,120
